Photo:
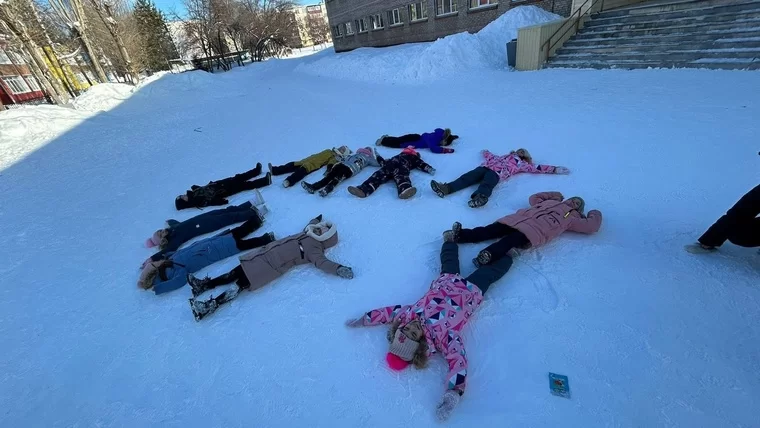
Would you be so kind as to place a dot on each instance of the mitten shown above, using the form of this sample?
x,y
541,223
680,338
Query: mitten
x,y
358,322
345,272
450,400
561,170
430,170
447,150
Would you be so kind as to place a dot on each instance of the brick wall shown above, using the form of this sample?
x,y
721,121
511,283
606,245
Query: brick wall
x,y
433,27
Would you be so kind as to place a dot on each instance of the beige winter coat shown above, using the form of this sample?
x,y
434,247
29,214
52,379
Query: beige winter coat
x,y
265,264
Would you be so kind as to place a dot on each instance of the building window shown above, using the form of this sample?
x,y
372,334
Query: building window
x,y
4,58
362,24
16,84
32,83
474,4
418,11
394,17
445,7
377,21
349,28
338,30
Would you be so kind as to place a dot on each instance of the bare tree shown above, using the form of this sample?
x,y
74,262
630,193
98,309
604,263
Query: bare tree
x,y
317,28
105,11
73,14
13,15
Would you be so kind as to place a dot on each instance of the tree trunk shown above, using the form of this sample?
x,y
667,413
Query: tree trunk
x,y
113,28
81,30
40,70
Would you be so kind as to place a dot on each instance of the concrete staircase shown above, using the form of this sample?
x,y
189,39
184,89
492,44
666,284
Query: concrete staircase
x,y
717,34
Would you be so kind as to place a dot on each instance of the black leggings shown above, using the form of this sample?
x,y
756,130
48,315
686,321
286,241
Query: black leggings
x,y
245,229
399,142
740,225
297,173
483,276
337,174
508,238
236,275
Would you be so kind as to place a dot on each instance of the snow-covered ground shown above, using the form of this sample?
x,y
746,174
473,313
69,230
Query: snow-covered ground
x,y
649,335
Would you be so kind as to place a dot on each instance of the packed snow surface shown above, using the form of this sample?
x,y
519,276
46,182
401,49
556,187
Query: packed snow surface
x,y
648,334
447,58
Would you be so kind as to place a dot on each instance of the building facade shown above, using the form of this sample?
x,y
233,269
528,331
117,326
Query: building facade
x,y
17,85
310,25
375,23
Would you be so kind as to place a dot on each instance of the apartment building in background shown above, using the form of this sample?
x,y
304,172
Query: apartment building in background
x,y
17,85
375,23
304,20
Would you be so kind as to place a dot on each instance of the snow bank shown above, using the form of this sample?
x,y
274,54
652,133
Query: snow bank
x,y
24,130
103,97
431,61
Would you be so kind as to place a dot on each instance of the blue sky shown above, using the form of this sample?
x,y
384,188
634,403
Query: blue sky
x,y
167,6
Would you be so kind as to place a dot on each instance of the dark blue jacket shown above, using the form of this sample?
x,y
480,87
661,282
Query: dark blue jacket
x,y
430,140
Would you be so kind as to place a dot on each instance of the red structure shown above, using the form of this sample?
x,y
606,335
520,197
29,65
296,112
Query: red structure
x,y
17,84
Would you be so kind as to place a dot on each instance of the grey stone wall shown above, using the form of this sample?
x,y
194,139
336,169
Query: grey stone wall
x,y
433,27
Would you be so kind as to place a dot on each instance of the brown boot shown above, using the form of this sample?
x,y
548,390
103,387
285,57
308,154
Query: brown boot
x,y
408,193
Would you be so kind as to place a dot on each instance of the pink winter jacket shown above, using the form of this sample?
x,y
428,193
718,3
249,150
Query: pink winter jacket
x,y
443,312
549,216
511,164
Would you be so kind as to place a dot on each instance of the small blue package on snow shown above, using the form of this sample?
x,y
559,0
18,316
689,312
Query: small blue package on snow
x,y
559,385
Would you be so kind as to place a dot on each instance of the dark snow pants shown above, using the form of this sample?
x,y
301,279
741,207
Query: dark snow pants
x,y
390,171
399,142
483,276
238,183
337,174
508,238
297,173
486,177
740,225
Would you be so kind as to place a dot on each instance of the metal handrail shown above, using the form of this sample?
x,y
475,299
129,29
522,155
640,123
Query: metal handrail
x,y
549,45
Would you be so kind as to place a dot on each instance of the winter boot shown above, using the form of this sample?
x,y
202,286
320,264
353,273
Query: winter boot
x,y
326,190
257,169
199,286
308,187
483,258
359,193
699,249
262,210
478,201
286,184
269,178
202,308
270,235
440,189
269,165
453,234
408,193
379,141
257,198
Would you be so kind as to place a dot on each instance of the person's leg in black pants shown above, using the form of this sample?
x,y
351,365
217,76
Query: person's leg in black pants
x,y
338,173
746,234
288,168
399,142
485,276
450,258
233,187
202,308
742,213
500,248
246,228
494,230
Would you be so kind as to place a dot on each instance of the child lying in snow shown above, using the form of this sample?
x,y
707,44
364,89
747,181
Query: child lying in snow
x,y
436,321
437,141
398,169
262,266
351,166
217,192
177,233
490,172
300,169
168,271
549,216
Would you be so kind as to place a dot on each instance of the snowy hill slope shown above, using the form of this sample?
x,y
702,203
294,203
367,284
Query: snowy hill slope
x,y
649,335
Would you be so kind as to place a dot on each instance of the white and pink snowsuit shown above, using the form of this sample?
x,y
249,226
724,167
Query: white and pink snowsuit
x,y
511,164
443,312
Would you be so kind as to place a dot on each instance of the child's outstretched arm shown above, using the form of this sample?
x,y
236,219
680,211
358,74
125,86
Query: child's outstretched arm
x,y
422,165
456,379
378,316
543,169
589,224
545,196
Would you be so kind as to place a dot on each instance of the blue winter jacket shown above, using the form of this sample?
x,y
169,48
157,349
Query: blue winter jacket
x,y
430,140
179,233
194,258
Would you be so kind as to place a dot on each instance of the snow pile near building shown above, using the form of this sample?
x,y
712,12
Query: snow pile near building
x,y
25,129
103,97
485,50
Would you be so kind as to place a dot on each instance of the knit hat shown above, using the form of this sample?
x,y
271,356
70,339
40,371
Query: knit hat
x,y
158,238
578,203
409,150
403,348
149,242
365,151
180,203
